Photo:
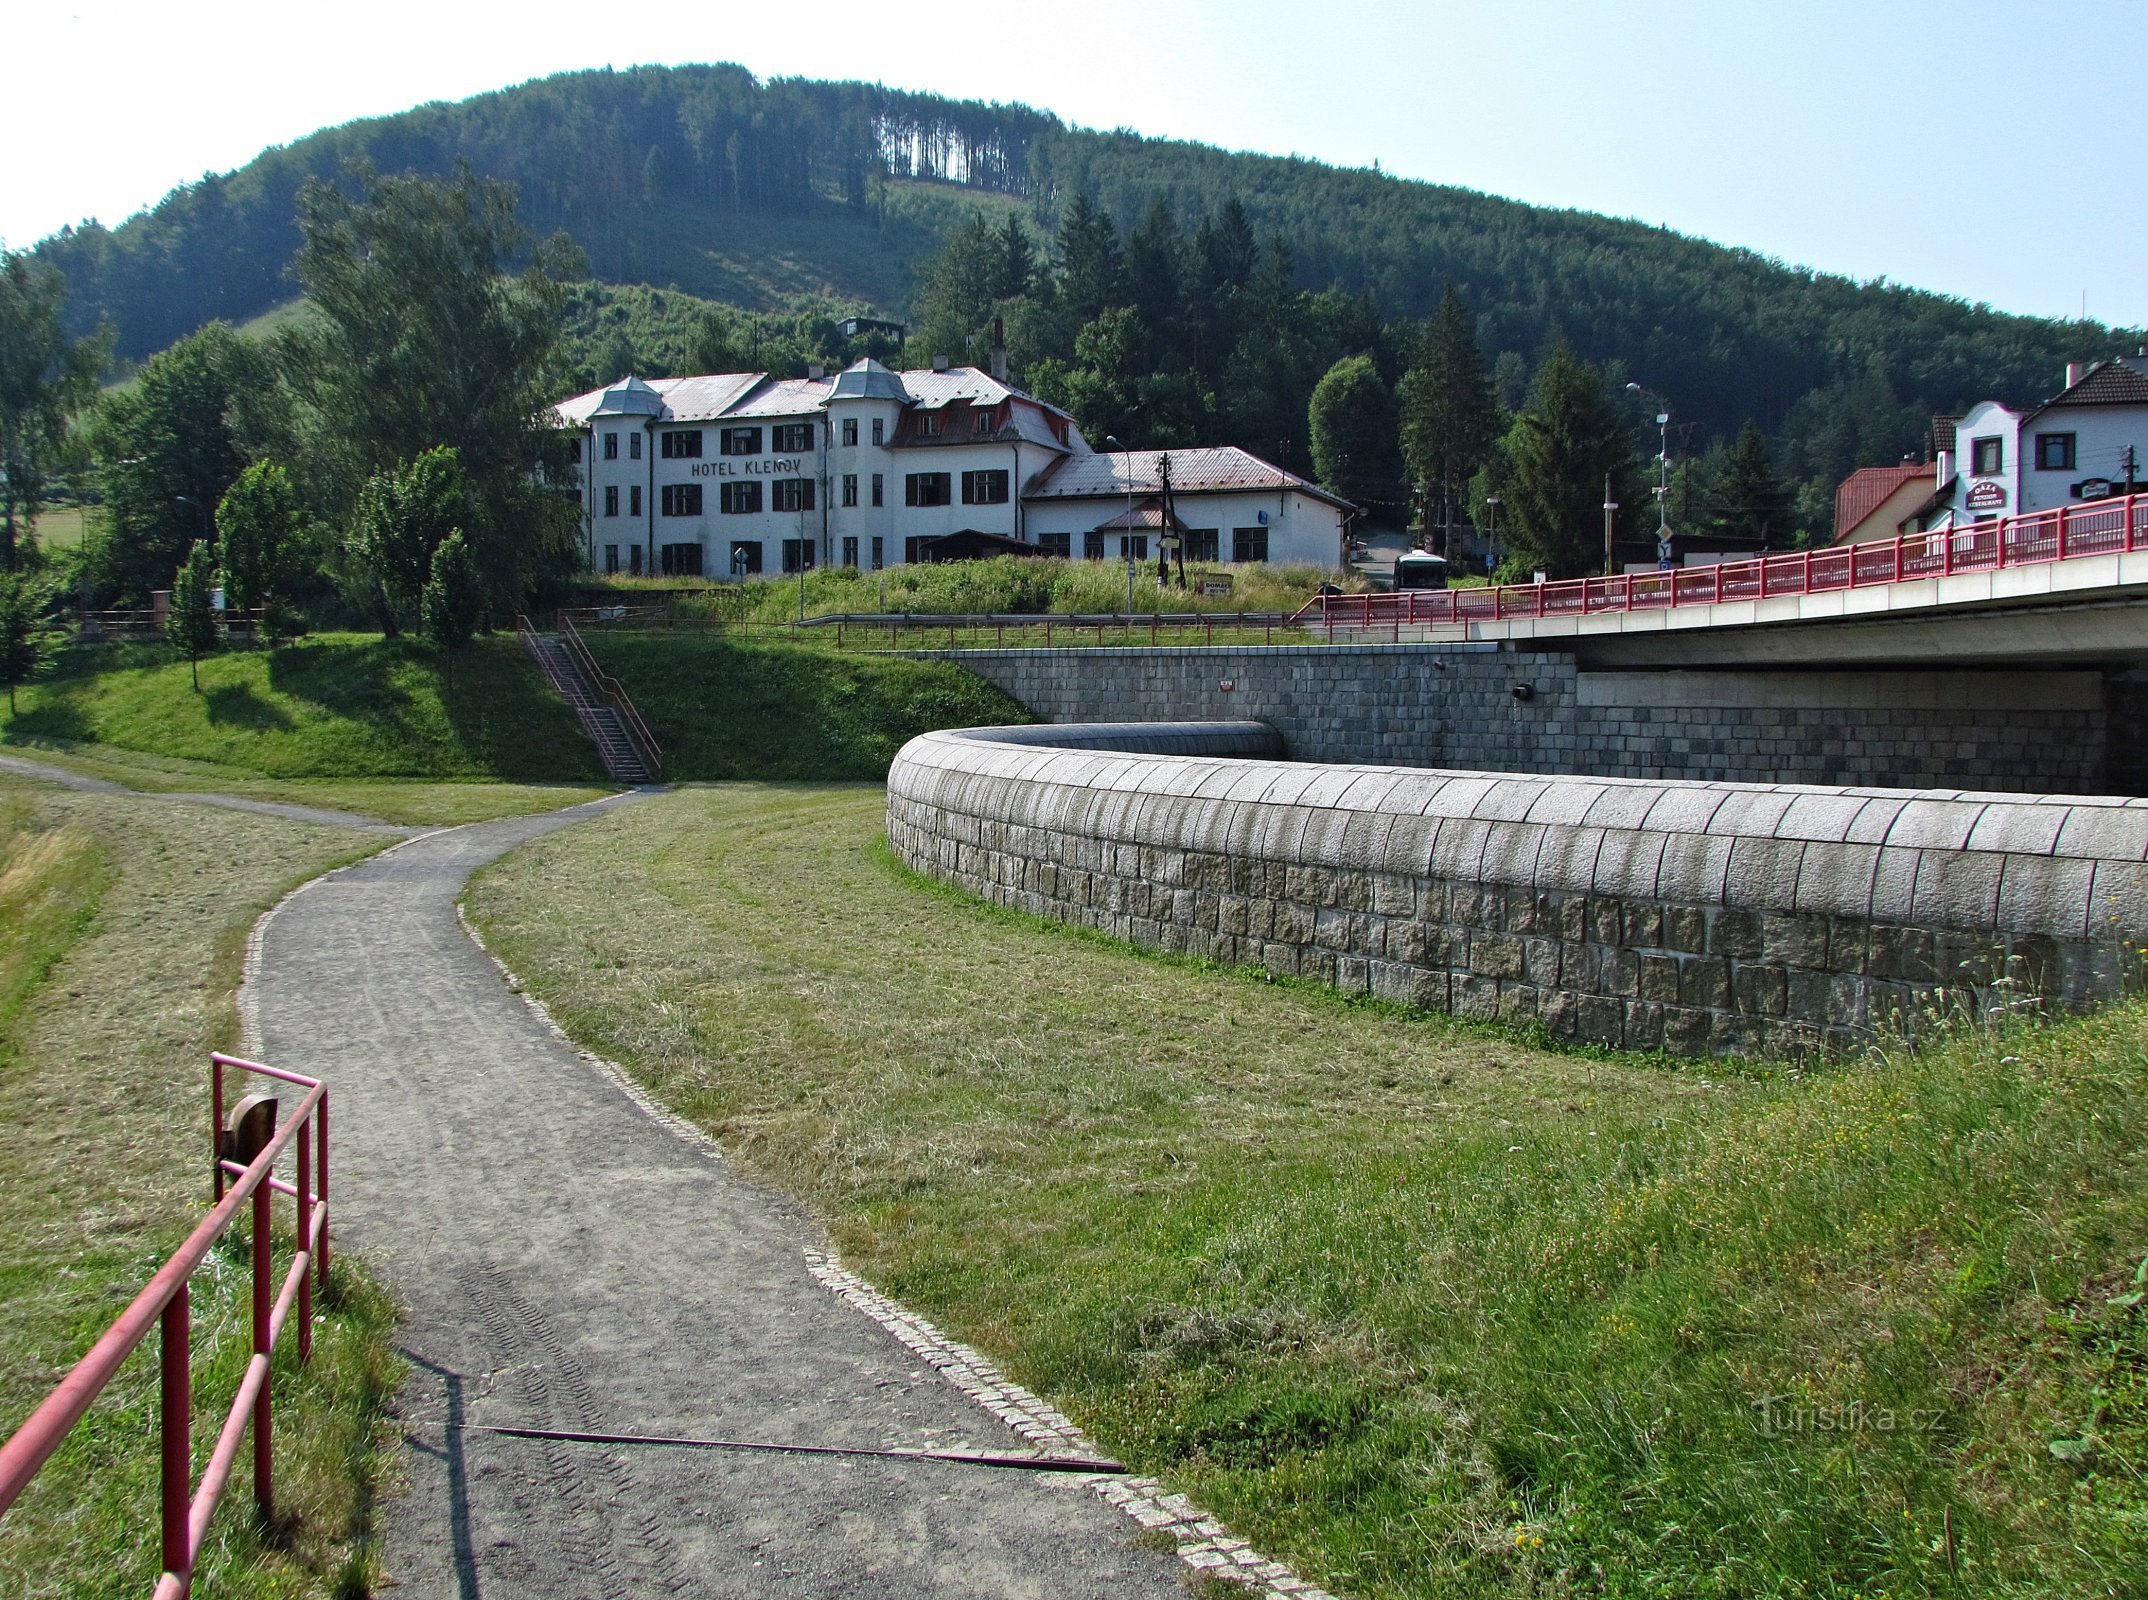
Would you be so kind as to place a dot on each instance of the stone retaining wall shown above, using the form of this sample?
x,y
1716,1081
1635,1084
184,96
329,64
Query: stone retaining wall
x,y
1454,706
1697,917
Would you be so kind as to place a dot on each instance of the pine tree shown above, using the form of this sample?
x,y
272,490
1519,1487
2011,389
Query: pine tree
x,y
1449,414
190,625
1562,449
1091,267
23,635
1017,260
1751,501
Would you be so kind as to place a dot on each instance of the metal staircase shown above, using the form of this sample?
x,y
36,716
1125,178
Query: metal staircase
x,y
600,705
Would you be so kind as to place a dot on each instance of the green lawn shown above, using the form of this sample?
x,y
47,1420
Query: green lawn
x,y
60,527
1419,1306
338,706
125,922
722,708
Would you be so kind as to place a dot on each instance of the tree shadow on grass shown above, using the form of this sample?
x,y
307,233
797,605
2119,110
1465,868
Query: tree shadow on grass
x,y
239,705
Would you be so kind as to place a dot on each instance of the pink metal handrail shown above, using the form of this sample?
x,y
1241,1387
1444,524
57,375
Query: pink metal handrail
x,y
2100,527
164,1301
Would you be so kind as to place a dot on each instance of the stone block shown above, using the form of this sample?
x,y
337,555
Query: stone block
x,y
1598,1019
1475,997
1794,941
1496,955
1736,933
1643,925
1353,974
1684,928
1761,989
1518,1003
1618,971
1686,1032
1704,983
1540,962
1335,930
1643,1025
1657,978
1580,966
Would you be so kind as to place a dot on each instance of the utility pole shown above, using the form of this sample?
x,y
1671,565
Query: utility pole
x,y
2128,458
1491,535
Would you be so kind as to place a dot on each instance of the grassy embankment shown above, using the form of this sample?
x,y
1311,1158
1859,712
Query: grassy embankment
x,y
125,922
355,723
1421,1307
725,708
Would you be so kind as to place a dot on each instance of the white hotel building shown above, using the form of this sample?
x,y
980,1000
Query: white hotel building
x,y
741,473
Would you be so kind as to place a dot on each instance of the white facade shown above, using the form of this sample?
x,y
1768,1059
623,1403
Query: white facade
x,y
2084,444
738,474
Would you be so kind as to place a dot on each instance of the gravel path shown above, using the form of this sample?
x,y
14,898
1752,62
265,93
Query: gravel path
x,y
68,778
569,1263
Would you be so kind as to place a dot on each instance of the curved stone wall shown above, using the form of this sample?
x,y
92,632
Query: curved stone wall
x,y
1695,917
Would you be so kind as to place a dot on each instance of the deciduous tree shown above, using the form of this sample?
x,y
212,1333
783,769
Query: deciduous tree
x,y
260,536
402,517
454,599
45,378
190,625
1351,421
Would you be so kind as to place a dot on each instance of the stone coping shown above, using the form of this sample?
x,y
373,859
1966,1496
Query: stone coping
x,y
2064,867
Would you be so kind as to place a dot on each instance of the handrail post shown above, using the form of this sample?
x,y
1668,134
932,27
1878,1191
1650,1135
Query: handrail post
x,y
264,1480
305,1239
175,1423
320,1260
2062,533
216,1130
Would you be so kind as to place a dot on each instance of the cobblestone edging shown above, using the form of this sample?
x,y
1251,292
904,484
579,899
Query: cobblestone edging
x,y
1203,1543
1693,917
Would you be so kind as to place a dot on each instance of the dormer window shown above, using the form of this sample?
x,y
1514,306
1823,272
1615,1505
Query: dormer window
x,y
987,420
928,424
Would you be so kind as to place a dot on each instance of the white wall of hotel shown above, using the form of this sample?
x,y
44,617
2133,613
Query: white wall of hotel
x,y
630,520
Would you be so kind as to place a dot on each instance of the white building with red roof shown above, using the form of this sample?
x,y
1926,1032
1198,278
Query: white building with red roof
x,y
734,474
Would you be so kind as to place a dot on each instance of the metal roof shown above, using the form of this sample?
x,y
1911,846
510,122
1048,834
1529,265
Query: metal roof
x,y
1220,469
868,380
782,397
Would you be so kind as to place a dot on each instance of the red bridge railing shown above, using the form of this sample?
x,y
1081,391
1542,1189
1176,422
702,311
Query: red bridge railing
x,y
187,1508
2097,528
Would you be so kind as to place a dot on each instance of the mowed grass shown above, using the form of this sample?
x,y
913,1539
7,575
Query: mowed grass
x,y
1421,1307
61,527
725,708
124,924
338,706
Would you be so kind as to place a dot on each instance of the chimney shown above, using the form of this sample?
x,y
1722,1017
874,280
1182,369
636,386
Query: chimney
x,y
999,350
1946,469
2075,372
939,363
815,371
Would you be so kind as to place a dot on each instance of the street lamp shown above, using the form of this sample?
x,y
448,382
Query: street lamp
x,y
1663,481
1126,540
1491,535
201,510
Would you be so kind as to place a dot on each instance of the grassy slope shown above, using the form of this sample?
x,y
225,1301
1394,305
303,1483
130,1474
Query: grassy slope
x,y
334,707
724,709
1427,1310
125,923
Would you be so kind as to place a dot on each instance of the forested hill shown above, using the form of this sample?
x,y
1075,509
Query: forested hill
x,y
754,193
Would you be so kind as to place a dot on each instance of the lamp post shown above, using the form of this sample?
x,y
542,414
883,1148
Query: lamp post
x,y
1662,489
200,510
1126,540
1491,535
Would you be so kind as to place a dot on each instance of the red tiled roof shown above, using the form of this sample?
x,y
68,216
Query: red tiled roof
x,y
2107,383
1866,489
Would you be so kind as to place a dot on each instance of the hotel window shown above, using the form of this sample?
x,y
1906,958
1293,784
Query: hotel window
x,y
880,547
2054,452
681,500
987,421
738,499
791,438
740,442
880,497
985,488
850,430
680,444
1134,547
798,555
1056,544
611,499
1201,544
1092,546
850,549
792,494
1987,456
634,561
611,558
633,499
745,557
928,424
926,488
880,430
1249,544
633,446
850,488
611,447
577,446
681,560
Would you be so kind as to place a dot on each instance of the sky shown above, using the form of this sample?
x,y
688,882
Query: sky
x,y
1971,148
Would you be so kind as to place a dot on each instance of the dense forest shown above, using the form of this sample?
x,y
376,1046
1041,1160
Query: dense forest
x,y
769,196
